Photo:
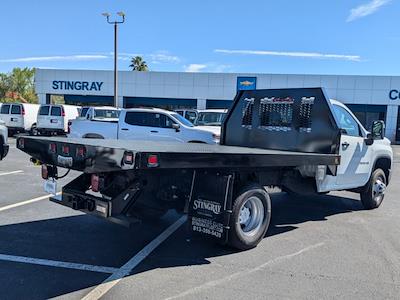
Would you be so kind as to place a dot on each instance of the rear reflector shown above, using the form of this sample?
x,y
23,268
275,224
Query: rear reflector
x,y
65,149
21,143
52,148
95,182
152,161
80,151
128,158
45,172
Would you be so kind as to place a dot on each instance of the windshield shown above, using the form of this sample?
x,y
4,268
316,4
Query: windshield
x,y
106,113
210,119
84,111
182,120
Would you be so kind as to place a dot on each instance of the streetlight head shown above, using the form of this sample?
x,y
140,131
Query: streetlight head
x,y
106,14
121,14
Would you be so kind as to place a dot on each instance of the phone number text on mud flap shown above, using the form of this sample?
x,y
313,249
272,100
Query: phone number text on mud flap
x,y
207,227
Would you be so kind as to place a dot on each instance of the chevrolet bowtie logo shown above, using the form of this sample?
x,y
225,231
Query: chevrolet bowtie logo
x,y
246,83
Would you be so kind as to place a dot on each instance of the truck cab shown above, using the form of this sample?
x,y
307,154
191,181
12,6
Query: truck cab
x,y
361,153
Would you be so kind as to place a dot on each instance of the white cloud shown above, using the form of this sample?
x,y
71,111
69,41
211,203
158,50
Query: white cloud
x,y
291,54
366,9
194,67
163,57
157,57
81,57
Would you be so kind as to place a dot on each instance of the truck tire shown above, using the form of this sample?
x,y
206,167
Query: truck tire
x,y
374,191
34,131
251,214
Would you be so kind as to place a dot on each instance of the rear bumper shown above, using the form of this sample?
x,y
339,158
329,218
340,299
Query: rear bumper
x,y
92,205
51,130
16,129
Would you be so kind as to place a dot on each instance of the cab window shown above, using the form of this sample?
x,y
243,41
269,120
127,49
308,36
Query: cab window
x,y
148,119
346,121
16,109
44,110
5,109
56,111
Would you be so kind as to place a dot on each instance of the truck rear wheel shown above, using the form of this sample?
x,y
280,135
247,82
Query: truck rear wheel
x,y
251,214
374,191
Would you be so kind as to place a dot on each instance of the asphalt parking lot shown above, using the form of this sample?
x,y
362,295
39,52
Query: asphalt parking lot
x,y
322,247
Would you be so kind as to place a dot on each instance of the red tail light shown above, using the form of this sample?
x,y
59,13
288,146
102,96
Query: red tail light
x,y
45,172
65,149
95,182
23,111
52,148
152,161
62,111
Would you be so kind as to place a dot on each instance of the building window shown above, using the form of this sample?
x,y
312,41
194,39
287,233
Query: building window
x,y
165,103
218,104
80,100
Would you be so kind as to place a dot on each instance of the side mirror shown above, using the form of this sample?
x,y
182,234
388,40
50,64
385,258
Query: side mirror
x,y
378,130
177,127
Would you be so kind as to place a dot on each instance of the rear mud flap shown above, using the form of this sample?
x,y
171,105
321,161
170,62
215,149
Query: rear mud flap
x,y
210,204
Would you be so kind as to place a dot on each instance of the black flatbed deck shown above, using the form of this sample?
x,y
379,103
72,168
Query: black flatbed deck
x,y
107,155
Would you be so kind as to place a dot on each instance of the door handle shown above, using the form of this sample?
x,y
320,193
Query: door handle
x,y
125,129
345,145
154,131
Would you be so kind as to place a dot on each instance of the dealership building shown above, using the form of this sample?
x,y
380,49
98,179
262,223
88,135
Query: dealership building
x,y
369,97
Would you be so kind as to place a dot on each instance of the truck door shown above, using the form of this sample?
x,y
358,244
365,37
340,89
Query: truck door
x,y
148,126
355,165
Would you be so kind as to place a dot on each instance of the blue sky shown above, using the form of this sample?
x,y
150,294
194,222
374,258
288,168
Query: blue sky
x,y
259,36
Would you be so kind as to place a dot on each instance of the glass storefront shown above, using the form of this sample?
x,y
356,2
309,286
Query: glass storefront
x,y
80,100
218,104
368,113
165,103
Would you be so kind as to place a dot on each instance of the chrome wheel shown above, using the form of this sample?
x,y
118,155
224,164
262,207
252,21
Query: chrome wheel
x,y
251,216
378,189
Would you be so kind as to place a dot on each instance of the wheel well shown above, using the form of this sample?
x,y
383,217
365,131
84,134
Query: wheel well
x,y
383,163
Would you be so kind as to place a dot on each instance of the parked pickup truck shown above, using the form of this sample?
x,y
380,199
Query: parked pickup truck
x,y
3,140
143,124
295,139
92,114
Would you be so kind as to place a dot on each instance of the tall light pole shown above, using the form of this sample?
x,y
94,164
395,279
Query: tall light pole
x,y
115,23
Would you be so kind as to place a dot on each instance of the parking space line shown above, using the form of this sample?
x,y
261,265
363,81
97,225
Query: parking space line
x,y
239,274
26,202
11,173
127,268
58,264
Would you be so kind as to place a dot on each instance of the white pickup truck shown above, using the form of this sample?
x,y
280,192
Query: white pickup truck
x,y
3,140
150,124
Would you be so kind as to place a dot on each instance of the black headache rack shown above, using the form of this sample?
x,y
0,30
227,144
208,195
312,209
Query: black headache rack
x,y
298,119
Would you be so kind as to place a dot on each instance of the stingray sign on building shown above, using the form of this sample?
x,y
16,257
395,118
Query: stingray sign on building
x,y
246,83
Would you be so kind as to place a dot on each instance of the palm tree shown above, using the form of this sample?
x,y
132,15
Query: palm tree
x,y
138,64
